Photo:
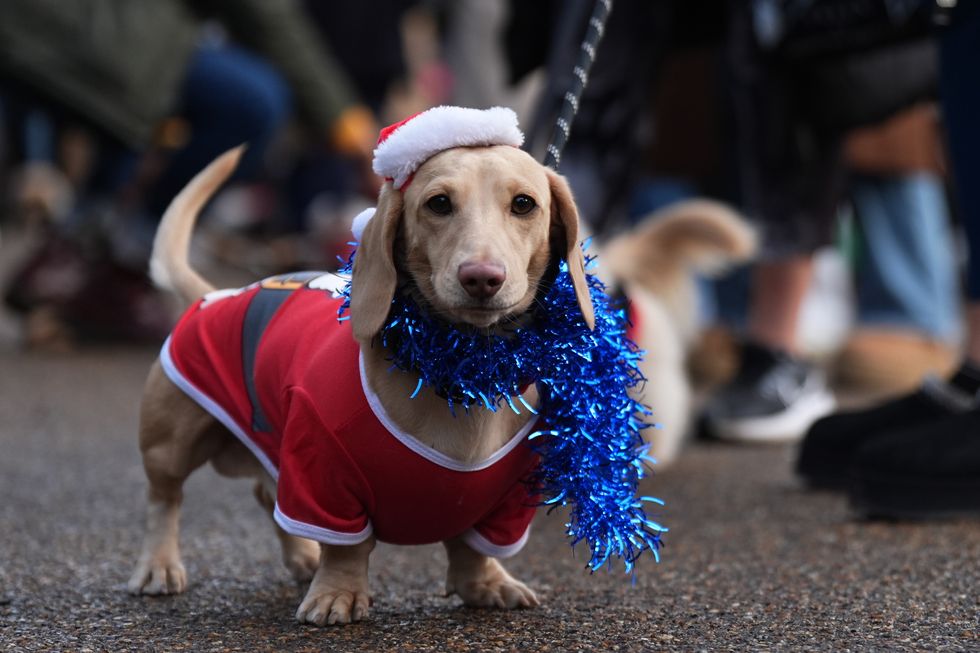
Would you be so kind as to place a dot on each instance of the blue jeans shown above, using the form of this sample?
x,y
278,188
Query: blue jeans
x,y
229,97
905,274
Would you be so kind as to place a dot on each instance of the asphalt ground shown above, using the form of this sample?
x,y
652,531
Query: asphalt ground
x,y
753,561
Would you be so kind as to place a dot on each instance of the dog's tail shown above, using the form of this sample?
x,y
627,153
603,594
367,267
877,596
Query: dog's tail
x,y
170,267
690,236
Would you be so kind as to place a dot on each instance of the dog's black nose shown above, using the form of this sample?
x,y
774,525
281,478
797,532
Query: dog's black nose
x,y
481,280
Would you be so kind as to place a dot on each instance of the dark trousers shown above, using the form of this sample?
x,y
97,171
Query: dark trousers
x,y
960,88
229,97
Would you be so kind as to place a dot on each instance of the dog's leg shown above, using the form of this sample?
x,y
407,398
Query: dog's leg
x,y
339,591
482,582
300,555
176,437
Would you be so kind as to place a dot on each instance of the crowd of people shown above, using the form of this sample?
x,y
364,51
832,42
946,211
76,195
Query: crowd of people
x,y
849,125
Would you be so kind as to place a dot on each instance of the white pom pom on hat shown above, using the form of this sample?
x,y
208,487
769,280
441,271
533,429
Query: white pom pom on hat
x,y
406,145
360,222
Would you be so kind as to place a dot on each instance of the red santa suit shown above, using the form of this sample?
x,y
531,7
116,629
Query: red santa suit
x,y
272,363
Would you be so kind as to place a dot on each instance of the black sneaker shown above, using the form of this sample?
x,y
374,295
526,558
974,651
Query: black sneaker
x,y
928,471
773,398
829,447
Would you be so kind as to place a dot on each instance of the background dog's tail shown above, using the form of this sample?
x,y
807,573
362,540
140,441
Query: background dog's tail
x,y
170,267
690,236
655,262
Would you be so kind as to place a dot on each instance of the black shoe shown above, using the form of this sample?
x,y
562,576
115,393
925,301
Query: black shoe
x,y
829,448
773,398
928,471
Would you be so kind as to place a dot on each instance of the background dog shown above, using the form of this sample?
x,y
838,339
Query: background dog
x,y
655,264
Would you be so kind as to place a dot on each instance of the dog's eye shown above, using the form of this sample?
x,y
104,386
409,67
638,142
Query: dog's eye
x,y
440,205
522,205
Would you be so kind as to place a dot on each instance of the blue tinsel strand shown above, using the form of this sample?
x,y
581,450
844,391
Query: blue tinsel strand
x,y
592,454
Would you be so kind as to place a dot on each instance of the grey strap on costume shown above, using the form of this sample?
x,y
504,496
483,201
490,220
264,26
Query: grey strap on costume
x,y
580,77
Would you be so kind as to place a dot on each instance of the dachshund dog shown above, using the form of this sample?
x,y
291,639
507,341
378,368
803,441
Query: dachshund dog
x,y
473,235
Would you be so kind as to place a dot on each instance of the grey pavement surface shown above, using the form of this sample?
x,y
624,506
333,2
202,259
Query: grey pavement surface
x,y
753,562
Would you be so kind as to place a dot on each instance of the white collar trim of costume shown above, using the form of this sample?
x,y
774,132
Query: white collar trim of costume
x,y
424,450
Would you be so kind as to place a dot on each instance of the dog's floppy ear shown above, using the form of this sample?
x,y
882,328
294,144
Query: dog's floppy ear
x,y
374,276
564,227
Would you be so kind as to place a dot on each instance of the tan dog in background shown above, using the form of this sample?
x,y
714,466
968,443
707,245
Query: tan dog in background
x,y
655,265
481,266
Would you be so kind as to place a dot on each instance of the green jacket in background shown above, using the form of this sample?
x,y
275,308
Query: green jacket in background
x,y
120,63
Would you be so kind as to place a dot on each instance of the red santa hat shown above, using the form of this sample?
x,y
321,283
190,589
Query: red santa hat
x,y
406,145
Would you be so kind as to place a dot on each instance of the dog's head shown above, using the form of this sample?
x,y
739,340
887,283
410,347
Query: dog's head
x,y
475,231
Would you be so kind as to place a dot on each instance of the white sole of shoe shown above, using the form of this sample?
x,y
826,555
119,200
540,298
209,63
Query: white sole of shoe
x,y
787,426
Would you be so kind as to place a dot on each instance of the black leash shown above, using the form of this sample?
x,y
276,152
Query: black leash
x,y
580,77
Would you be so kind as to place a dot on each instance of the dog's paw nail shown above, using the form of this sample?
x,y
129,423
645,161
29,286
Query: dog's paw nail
x,y
362,606
311,614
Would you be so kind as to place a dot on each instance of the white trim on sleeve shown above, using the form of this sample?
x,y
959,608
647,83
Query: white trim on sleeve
x,y
482,545
318,533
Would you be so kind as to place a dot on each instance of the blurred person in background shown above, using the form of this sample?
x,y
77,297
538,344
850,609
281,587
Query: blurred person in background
x,y
890,255
919,455
905,271
614,124
143,74
897,246
779,140
366,40
798,85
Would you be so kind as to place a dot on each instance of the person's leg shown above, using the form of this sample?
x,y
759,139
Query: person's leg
x,y
960,56
934,470
789,178
774,396
905,278
229,97
778,289
906,273
920,455
906,284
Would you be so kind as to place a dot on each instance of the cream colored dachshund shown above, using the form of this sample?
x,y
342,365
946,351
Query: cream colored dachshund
x,y
473,231
509,217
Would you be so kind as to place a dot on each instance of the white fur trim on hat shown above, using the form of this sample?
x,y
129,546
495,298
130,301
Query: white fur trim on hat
x,y
438,129
360,222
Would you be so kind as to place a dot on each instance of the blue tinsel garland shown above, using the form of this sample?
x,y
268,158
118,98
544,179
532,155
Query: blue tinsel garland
x,y
592,454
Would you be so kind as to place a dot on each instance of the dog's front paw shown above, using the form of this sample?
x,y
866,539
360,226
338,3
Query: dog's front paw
x,y
490,587
330,605
158,575
339,591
